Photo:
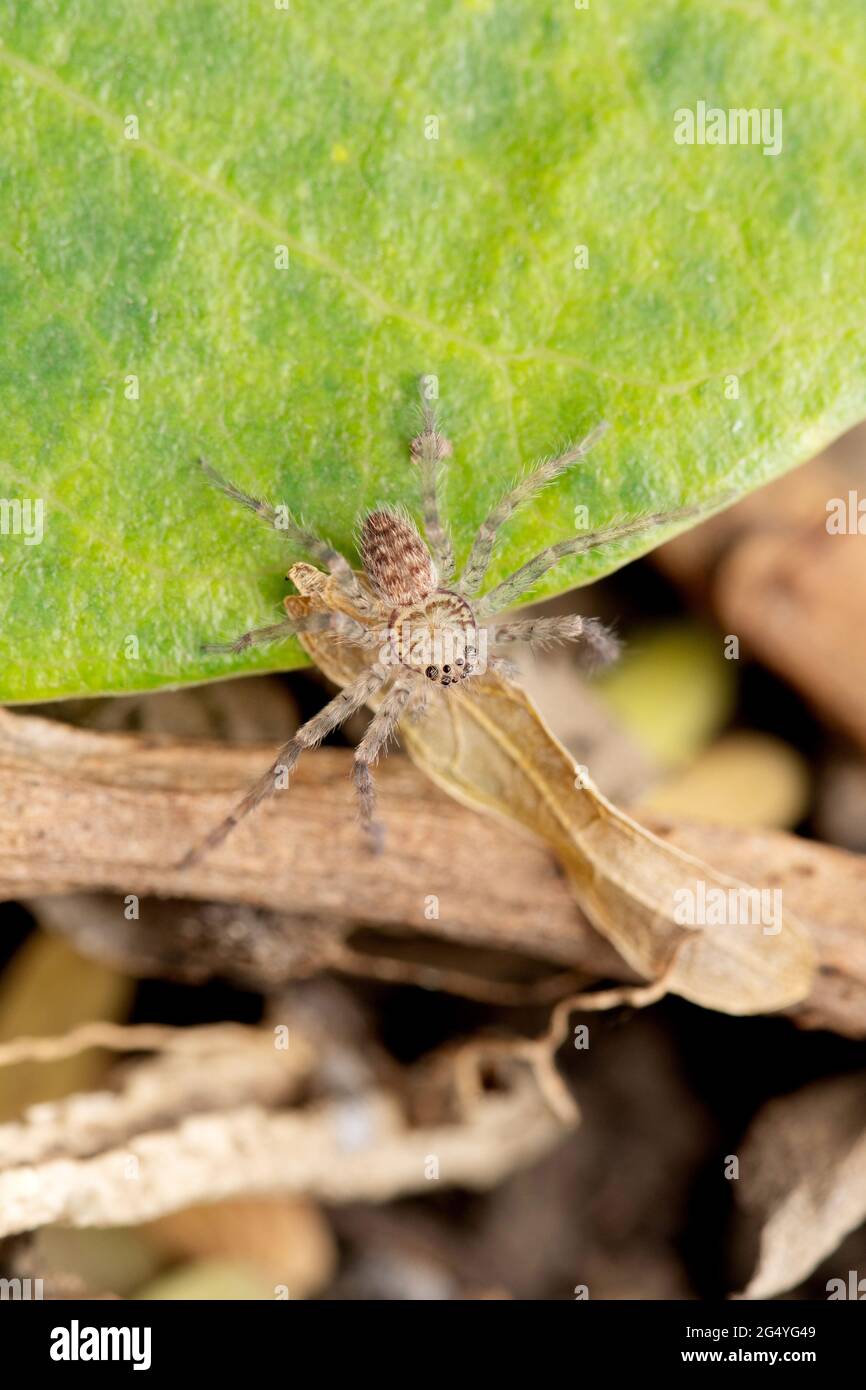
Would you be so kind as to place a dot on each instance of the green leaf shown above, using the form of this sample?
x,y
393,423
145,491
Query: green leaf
x,y
306,128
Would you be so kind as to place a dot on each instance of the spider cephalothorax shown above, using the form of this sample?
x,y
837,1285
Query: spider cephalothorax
x,y
422,628
439,638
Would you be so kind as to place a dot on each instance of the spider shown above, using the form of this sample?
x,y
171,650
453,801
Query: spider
x,y
426,630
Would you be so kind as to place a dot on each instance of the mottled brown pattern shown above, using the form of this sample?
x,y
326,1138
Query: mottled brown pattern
x,y
396,560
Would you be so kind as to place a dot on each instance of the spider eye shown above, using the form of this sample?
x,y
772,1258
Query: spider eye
x,y
432,672
467,670
446,680
459,661
447,670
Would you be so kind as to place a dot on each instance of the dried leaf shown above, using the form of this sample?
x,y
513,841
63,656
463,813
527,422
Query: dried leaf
x,y
803,1173
489,747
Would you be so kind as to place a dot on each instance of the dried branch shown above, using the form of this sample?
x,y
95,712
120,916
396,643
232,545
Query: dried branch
x,y
243,1067
85,811
80,811
176,1134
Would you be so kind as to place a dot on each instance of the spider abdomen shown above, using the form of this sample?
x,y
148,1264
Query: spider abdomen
x,y
398,563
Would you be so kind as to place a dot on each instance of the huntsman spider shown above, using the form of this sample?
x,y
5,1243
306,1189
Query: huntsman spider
x,y
425,629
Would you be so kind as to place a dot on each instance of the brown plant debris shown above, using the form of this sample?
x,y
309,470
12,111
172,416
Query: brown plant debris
x,y
85,811
803,1180
175,1133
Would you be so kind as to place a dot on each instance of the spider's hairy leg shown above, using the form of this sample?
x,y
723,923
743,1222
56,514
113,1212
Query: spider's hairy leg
x,y
544,473
428,450
351,698
599,643
281,519
345,629
420,704
275,632
380,731
511,589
